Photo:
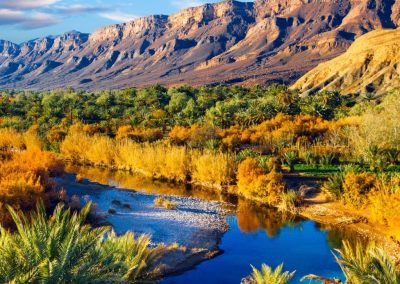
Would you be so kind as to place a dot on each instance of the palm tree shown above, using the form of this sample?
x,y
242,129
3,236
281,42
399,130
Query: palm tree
x,y
363,265
63,249
268,276
369,265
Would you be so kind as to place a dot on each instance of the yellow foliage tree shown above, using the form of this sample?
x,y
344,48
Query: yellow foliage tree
x,y
253,184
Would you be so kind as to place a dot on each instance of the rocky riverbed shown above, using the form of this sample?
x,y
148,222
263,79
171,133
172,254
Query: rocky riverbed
x,y
196,225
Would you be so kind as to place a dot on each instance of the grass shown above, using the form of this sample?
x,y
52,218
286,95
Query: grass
x,y
330,169
316,170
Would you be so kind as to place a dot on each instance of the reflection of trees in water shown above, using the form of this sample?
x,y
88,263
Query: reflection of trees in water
x,y
252,218
336,236
128,180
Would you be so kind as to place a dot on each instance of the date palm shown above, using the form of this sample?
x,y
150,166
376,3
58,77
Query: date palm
x,y
369,265
268,276
363,265
65,250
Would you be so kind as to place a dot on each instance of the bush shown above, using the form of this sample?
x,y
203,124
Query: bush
x,y
360,264
180,135
274,164
333,187
356,186
289,202
162,202
26,178
254,184
154,160
328,159
392,155
385,204
139,134
10,139
377,159
290,159
310,158
246,153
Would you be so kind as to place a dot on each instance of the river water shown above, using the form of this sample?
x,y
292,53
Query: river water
x,y
255,235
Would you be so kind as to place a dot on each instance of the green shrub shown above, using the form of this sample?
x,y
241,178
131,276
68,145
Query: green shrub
x,y
310,158
212,145
246,153
327,159
377,158
334,186
290,159
392,155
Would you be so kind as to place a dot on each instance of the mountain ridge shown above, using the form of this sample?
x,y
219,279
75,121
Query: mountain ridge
x,y
226,42
361,69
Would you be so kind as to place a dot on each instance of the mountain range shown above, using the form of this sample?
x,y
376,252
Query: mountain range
x,y
228,42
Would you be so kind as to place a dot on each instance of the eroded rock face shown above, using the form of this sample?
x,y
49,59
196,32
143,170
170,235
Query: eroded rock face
x,y
371,64
226,42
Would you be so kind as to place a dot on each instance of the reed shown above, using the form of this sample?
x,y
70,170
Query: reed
x,y
213,169
156,160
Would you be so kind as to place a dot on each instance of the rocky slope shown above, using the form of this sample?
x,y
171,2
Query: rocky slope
x,y
371,64
226,42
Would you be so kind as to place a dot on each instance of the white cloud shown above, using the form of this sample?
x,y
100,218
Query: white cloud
x,y
8,16
119,17
183,4
81,8
26,21
26,4
39,20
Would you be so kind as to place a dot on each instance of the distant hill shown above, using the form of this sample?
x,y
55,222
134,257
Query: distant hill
x,y
372,64
228,42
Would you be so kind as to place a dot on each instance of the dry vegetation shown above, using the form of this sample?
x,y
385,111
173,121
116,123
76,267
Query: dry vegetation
x,y
161,161
26,173
254,184
162,202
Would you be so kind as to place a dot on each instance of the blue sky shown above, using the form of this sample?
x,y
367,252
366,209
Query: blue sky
x,y
22,20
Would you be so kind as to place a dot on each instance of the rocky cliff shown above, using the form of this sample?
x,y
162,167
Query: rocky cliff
x,y
227,42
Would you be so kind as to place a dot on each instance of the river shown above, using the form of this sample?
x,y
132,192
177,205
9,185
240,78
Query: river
x,y
241,233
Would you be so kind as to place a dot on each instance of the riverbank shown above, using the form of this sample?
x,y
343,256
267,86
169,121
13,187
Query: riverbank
x,y
335,214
